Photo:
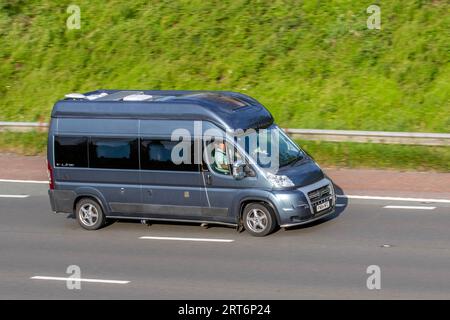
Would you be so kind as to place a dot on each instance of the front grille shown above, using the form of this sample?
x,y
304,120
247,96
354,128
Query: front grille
x,y
319,194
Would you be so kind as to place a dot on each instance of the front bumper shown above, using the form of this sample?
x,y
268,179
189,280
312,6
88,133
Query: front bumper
x,y
295,207
312,219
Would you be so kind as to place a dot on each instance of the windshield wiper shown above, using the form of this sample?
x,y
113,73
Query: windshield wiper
x,y
293,160
297,158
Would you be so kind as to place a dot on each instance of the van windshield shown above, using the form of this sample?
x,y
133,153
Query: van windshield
x,y
270,147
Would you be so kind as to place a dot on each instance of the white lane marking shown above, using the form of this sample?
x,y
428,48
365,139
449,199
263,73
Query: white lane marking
x,y
79,279
186,239
410,207
23,181
393,198
20,196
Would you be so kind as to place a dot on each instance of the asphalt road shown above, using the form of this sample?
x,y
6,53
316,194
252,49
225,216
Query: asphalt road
x,y
328,259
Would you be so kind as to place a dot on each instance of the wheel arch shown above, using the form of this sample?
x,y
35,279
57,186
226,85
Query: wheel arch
x,y
265,201
92,194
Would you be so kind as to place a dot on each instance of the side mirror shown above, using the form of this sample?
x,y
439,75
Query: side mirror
x,y
238,170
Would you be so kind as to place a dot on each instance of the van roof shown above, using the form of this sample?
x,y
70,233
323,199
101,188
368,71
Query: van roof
x,y
229,110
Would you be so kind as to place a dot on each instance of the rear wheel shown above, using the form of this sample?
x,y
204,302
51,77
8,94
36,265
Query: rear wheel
x,y
259,220
90,214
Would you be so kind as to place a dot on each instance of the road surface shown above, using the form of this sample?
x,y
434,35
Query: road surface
x,y
409,240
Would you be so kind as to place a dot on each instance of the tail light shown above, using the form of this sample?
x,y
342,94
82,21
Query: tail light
x,y
51,181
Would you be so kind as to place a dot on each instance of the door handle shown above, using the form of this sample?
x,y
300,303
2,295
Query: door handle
x,y
208,178
150,193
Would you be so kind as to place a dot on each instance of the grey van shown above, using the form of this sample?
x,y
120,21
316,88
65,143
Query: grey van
x,y
111,156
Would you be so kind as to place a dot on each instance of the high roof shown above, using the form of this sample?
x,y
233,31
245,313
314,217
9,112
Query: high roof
x,y
229,110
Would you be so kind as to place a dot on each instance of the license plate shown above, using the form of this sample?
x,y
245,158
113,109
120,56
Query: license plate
x,y
322,206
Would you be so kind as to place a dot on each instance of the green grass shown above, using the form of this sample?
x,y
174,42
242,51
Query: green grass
x,y
362,155
313,63
26,143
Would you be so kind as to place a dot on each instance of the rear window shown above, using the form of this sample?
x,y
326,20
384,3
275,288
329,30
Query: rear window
x,y
71,152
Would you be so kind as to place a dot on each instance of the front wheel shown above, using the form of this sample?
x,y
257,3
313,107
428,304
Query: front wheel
x,y
259,220
90,214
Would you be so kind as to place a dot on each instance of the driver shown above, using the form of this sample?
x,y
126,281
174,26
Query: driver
x,y
221,163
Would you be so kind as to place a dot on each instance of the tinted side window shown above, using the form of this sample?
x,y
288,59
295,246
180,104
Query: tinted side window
x,y
113,153
157,155
71,152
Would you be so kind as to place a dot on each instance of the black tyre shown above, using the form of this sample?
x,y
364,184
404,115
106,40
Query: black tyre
x,y
89,214
259,220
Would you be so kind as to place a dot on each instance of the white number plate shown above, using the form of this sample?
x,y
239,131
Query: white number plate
x,y
322,206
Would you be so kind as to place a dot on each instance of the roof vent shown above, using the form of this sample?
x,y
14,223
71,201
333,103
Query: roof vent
x,y
96,96
75,96
137,97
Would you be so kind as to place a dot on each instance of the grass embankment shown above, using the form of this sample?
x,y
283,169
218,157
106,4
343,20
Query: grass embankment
x,y
26,143
381,156
314,64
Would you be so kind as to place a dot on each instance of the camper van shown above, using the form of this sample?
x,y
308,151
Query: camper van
x,y
206,157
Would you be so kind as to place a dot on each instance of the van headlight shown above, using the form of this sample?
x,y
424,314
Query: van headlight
x,y
279,181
